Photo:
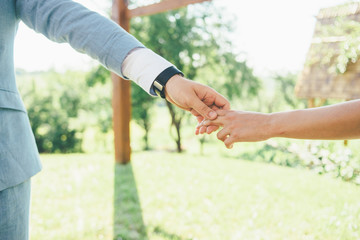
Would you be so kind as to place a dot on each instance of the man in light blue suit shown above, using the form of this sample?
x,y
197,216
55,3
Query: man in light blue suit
x,y
90,33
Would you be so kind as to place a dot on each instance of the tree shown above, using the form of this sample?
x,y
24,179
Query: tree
x,y
51,110
141,107
172,36
194,39
286,85
141,104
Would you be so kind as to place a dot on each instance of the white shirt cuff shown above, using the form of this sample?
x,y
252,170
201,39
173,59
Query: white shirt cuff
x,y
143,66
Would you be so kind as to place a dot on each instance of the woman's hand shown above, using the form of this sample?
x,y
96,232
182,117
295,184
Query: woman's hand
x,y
335,122
239,126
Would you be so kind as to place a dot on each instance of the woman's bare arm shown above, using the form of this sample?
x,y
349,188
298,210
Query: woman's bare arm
x,y
339,121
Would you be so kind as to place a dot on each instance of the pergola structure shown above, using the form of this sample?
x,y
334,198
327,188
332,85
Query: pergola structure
x,y
316,81
121,100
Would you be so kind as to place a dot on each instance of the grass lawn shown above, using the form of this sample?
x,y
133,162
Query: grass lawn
x,y
171,196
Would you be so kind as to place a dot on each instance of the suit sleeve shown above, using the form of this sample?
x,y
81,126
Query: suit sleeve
x,y
86,31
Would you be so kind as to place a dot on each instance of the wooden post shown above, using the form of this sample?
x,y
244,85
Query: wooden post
x,y
121,99
311,103
162,6
322,102
346,142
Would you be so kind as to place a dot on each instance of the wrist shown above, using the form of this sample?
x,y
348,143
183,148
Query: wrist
x,y
161,81
276,126
172,83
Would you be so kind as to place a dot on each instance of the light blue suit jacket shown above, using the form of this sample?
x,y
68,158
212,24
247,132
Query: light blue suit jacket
x,y
60,21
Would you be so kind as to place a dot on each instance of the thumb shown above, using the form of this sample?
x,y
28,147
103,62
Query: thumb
x,y
204,110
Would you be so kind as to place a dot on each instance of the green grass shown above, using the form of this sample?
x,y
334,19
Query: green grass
x,y
172,196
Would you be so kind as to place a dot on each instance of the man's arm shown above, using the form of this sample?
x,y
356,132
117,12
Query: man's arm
x,y
196,98
102,39
86,31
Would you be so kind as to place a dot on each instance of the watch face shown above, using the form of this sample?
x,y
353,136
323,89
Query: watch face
x,y
158,85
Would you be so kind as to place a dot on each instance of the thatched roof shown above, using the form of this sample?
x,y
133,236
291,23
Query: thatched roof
x,y
339,11
317,80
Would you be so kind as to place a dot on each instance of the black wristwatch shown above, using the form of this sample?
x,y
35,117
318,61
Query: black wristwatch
x,y
161,80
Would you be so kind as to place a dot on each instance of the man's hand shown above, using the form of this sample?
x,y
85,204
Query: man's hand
x,y
200,100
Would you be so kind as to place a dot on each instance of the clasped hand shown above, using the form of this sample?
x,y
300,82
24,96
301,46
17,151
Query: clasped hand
x,y
202,101
238,126
212,111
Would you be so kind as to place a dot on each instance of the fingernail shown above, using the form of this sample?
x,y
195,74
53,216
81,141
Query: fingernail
x,y
201,123
231,146
205,123
212,114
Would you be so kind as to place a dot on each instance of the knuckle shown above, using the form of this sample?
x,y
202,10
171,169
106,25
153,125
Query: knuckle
x,y
235,135
204,108
232,129
219,136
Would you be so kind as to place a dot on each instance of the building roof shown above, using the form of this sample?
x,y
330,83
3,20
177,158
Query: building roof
x,y
339,11
318,78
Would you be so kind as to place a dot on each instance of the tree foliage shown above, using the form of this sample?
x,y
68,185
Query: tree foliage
x,y
141,103
194,39
285,88
51,108
347,32
142,106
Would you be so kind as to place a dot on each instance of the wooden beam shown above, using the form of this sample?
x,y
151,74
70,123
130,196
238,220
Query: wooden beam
x,y
121,99
120,13
161,7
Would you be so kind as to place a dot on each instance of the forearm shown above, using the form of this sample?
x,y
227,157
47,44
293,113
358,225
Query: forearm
x,y
95,35
340,121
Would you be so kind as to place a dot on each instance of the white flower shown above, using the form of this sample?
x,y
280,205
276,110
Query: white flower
x,y
324,153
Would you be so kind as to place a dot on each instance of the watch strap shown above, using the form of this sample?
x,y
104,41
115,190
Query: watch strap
x,y
161,80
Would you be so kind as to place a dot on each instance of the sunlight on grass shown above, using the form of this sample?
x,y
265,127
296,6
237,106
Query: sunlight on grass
x,y
72,198
173,196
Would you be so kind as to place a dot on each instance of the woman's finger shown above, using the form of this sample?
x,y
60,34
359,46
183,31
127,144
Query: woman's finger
x,y
211,129
229,142
202,129
219,121
223,134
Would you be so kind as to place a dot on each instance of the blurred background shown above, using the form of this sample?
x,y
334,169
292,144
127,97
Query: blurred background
x,y
263,56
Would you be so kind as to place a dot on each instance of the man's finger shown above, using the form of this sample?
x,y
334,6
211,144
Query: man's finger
x,y
200,118
203,109
222,112
221,102
219,121
213,98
